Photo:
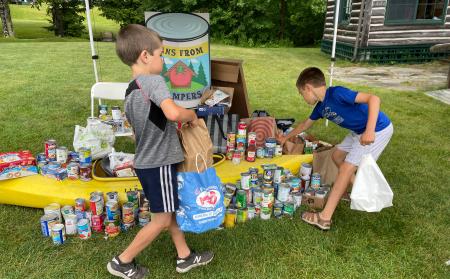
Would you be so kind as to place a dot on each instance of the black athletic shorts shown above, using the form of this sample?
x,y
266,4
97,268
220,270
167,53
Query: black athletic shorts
x,y
160,187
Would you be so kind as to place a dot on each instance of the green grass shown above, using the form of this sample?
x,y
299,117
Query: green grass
x,y
46,92
29,24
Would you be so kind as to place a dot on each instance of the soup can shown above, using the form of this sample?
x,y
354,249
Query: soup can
x,y
112,196
97,223
54,208
73,171
84,230
95,204
245,181
315,181
144,218
241,199
50,149
241,215
266,212
58,234
70,222
305,169
62,154
112,208
84,155
85,172
260,153
283,192
288,209
47,222
251,211
278,175
230,218
112,228
128,213
257,196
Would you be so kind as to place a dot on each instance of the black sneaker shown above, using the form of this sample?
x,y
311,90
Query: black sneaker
x,y
126,270
193,260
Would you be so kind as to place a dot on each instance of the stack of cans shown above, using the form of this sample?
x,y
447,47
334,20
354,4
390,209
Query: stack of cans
x,y
112,217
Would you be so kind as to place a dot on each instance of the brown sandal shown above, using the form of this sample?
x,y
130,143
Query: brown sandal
x,y
313,218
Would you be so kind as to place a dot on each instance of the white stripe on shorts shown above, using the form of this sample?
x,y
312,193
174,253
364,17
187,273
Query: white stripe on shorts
x,y
166,186
171,188
161,182
355,150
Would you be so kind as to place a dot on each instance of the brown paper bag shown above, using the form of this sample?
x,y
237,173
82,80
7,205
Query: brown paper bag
x,y
195,141
323,164
293,146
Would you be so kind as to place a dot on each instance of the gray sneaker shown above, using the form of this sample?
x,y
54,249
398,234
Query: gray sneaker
x,y
126,270
194,260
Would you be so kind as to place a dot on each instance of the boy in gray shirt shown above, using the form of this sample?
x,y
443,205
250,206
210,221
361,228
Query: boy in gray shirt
x,y
152,113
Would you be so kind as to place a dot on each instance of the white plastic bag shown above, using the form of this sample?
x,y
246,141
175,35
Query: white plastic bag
x,y
98,137
371,191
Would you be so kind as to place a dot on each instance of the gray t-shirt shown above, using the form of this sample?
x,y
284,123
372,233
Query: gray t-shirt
x,y
157,143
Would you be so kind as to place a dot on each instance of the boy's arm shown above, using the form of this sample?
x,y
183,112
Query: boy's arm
x,y
373,102
305,125
173,112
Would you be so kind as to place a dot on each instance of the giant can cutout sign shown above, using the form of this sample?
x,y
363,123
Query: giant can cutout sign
x,y
186,68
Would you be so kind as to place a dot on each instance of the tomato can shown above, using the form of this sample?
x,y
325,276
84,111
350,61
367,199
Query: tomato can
x,y
50,149
112,228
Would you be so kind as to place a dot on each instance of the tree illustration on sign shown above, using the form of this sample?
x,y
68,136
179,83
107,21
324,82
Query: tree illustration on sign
x,y
164,71
201,77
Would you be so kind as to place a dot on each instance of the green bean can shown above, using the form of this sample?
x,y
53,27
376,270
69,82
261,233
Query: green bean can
x,y
241,199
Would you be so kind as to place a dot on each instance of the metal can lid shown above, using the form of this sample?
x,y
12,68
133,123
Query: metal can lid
x,y
82,222
57,227
49,216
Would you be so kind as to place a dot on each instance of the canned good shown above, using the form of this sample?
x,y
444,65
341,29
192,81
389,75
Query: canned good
x,y
308,149
112,196
304,183
268,197
251,211
283,192
97,223
260,153
242,129
236,157
112,228
278,151
102,111
85,172
297,199
41,157
241,199
231,140
62,154
80,204
112,208
321,194
251,154
84,154
266,212
50,149
295,184
126,226
47,222
84,230
66,210
95,204
73,156
58,234
70,222
315,181
132,196
245,181
227,199
257,196
268,175
269,152
116,113
54,208
278,175
144,218
305,169
278,210
230,218
241,215
128,213
288,209
229,153
73,171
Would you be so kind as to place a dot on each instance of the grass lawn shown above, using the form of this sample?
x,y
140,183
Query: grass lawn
x,y
29,24
44,93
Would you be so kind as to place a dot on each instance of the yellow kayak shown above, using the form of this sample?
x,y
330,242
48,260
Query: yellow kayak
x,y
39,191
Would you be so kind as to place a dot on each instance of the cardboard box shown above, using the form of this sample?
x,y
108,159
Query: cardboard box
x,y
314,202
17,164
205,110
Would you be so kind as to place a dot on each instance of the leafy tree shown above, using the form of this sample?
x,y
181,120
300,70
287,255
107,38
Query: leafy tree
x,y
201,77
66,18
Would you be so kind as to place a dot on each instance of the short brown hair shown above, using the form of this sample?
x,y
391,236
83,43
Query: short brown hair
x,y
133,39
311,75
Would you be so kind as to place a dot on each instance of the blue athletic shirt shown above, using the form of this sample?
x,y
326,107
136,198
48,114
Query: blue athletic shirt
x,y
339,106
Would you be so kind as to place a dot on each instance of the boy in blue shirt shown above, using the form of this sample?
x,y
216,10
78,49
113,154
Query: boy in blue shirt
x,y
370,132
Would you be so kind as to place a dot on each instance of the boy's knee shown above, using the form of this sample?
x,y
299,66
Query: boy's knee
x,y
163,220
347,168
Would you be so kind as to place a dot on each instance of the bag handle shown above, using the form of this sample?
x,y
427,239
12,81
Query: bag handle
x,y
196,162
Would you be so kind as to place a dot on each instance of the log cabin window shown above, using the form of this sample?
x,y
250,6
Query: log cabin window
x,y
416,11
345,11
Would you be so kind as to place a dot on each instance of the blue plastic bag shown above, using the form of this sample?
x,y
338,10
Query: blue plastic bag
x,y
201,201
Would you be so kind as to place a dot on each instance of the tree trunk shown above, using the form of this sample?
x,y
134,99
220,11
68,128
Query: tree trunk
x,y
57,18
5,14
282,19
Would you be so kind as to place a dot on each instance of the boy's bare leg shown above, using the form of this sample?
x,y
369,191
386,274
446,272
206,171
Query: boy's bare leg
x,y
178,239
160,222
338,157
346,170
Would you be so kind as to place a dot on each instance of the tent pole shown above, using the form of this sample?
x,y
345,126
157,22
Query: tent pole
x,y
333,49
91,39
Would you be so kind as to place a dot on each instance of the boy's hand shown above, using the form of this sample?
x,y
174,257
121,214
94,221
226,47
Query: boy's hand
x,y
193,123
368,137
